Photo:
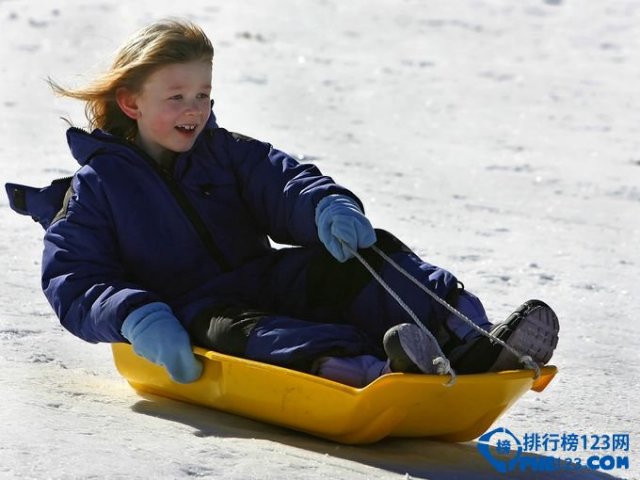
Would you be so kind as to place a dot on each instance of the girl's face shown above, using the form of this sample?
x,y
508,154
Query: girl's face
x,y
172,108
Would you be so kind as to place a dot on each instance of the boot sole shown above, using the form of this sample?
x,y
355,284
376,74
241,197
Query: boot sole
x,y
411,345
535,335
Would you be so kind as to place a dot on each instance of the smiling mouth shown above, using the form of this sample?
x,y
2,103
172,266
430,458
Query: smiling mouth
x,y
186,128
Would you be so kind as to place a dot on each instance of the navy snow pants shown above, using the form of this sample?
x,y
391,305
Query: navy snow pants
x,y
311,305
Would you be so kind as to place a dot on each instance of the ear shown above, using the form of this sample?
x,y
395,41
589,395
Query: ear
x,y
128,103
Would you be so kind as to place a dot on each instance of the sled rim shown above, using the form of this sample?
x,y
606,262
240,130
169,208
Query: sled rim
x,y
547,373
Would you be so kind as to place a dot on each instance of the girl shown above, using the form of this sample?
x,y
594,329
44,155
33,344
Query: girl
x,y
161,240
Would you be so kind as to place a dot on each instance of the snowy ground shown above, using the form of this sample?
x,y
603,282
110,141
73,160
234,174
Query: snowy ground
x,y
499,139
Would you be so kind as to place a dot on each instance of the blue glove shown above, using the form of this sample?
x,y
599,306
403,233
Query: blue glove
x,y
341,224
157,335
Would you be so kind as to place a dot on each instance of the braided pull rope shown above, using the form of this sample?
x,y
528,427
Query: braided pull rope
x,y
526,360
442,364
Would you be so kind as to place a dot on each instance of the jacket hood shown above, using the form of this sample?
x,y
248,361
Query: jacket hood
x,y
84,145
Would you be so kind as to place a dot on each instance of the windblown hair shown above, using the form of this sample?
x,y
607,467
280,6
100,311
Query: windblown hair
x,y
160,44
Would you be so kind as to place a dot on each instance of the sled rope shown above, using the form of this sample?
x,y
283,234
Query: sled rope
x,y
443,367
526,360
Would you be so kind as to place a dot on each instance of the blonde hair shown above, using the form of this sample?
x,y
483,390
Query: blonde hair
x,y
166,42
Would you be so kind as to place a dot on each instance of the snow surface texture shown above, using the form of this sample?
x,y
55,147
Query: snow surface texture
x,y
499,139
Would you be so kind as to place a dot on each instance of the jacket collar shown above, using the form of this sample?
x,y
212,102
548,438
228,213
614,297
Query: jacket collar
x,y
84,145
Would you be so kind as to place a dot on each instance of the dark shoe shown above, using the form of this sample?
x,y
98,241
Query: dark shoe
x,y
531,330
411,350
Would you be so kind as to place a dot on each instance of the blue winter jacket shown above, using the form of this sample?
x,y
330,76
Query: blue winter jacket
x,y
131,233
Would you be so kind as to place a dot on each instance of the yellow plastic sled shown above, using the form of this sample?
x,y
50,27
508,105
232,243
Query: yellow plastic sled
x,y
399,404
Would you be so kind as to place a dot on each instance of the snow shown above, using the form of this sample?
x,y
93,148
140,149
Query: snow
x,y
498,139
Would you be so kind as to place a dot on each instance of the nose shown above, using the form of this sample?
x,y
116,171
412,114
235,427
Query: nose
x,y
192,107
195,106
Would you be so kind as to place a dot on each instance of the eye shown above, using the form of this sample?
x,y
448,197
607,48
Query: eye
x,y
176,97
202,96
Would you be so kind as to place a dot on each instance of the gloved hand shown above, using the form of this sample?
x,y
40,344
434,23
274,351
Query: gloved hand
x,y
339,220
157,335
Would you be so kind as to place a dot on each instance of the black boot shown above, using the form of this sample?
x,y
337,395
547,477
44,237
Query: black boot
x,y
531,330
